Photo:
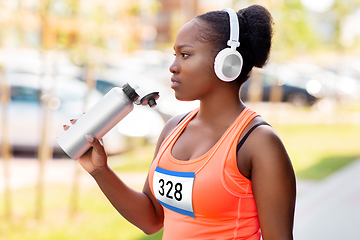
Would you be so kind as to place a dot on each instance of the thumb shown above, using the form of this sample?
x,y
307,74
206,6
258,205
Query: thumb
x,y
95,143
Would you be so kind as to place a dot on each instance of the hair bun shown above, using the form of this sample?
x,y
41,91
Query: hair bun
x,y
258,22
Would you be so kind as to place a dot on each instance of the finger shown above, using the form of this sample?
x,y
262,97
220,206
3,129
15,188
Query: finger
x,y
73,121
98,147
66,127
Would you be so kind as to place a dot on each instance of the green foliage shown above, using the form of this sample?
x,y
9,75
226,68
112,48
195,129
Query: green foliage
x,y
294,33
299,31
342,9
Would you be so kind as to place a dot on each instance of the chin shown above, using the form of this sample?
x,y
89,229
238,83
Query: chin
x,y
183,98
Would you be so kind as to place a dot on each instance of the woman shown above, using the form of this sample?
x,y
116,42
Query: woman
x,y
219,172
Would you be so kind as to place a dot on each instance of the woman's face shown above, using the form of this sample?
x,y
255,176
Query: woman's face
x,y
193,73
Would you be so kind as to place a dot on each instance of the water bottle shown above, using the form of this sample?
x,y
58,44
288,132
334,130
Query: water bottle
x,y
101,118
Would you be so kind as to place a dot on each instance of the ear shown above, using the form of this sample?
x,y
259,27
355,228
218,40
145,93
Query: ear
x,y
228,64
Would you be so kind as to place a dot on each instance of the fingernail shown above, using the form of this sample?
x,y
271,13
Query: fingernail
x,y
89,138
71,120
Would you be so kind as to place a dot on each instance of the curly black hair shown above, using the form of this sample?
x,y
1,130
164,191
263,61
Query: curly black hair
x,y
256,32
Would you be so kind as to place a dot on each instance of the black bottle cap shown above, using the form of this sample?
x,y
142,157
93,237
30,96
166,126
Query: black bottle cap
x,y
149,99
151,103
130,92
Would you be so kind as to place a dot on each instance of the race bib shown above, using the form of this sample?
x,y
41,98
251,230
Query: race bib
x,y
174,190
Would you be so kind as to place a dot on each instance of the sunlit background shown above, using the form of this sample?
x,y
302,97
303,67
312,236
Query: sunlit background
x,y
59,57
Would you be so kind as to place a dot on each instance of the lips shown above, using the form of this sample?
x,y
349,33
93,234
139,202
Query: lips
x,y
174,83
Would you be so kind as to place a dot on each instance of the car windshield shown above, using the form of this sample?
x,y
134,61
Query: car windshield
x,y
24,94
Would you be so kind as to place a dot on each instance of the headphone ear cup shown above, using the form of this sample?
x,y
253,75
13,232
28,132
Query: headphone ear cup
x,y
228,64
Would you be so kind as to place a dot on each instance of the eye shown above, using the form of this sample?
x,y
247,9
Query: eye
x,y
185,55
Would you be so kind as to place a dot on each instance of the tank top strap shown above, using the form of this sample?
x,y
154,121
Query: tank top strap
x,y
246,117
233,180
175,133
179,127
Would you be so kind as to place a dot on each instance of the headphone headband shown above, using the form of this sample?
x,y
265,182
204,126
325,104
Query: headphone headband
x,y
228,62
234,28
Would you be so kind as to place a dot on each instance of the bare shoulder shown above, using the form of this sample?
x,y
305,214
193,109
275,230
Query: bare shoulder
x,y
266,148
262,147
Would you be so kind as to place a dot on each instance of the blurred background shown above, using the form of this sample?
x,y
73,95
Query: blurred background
x,y
59,57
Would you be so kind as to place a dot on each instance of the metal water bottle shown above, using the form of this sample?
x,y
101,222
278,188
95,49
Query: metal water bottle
x,y
101,118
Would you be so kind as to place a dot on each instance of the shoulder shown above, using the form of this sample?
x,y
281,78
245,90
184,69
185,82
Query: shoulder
x,y
265,148
270,165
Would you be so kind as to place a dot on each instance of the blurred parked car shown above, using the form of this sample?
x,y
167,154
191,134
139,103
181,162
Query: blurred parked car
x,y
319,82
289,93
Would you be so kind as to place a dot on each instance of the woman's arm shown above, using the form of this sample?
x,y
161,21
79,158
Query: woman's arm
x,y
139,208
273,184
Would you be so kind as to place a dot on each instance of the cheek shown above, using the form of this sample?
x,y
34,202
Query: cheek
x,y
202,68
198,85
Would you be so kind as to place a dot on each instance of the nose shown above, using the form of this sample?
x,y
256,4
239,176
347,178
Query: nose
x,y
174,68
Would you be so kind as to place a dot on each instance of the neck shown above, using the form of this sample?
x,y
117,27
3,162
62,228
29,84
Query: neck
x,y
222,108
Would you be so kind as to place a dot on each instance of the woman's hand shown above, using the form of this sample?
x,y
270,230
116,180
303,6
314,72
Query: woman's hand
x,y
95,158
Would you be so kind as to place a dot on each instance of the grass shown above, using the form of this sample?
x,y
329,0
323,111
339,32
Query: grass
x,y
317,150
95,219
325,167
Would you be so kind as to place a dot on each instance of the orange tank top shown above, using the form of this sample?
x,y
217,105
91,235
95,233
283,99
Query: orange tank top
x,y
206,197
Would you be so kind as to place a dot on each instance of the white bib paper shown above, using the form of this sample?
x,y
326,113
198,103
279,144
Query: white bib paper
x,y
174,190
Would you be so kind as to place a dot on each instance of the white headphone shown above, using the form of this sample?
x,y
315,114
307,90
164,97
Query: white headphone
x,y
228,62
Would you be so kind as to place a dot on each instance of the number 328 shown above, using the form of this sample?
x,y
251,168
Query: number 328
x,y
172,190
